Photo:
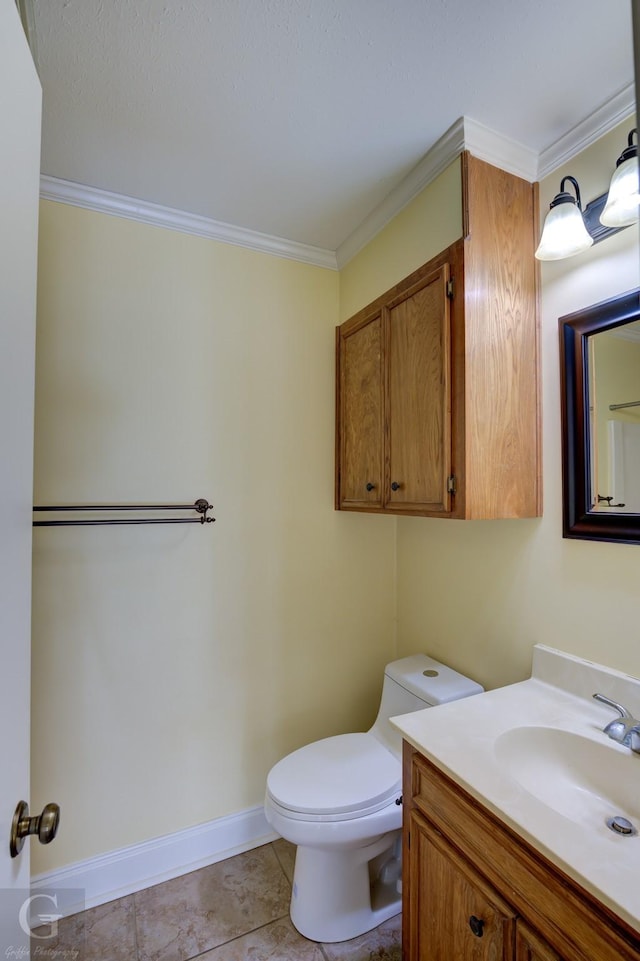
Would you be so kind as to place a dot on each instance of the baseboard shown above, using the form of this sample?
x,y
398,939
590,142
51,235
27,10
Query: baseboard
x,y
124,871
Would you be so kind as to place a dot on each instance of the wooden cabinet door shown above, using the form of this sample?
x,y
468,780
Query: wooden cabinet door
x,y
419,396
360,415
454,914
530,947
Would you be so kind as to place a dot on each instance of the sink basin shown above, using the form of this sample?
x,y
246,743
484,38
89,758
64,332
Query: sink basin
x,y
582,779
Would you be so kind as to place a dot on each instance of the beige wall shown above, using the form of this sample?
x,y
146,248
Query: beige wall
x,y
429,224
480,594
172,666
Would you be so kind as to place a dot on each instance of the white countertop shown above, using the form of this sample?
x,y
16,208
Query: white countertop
x,y
463,739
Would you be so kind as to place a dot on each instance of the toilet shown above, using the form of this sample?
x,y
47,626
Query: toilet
x,y
340,801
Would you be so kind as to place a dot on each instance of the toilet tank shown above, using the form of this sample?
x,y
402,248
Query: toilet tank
x,y
412,684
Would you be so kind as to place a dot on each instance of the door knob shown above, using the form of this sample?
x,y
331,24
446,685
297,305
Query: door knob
x,y
371,487
45,825
395,486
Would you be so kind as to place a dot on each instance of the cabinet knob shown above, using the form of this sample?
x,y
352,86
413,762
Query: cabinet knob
x,y
395,486
370,486
476,925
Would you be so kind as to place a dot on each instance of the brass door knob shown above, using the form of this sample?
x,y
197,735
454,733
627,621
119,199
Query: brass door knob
x,y
45,825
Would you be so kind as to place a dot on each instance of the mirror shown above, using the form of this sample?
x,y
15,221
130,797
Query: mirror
x,y
600,382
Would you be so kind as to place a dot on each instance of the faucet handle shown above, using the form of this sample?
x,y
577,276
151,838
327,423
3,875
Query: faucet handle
x,y
620,728
634,739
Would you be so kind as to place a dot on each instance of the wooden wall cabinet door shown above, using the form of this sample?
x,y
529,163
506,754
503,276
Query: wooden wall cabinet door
x,y
418,396
361,393
394,382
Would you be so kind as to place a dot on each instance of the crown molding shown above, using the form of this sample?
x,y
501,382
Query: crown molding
x,y
103,201
464,134
620,107
501,151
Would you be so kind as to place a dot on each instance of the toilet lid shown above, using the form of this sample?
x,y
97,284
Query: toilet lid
x,y
345,775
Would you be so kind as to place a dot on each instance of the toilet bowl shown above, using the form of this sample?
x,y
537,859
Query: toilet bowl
x,y
339,800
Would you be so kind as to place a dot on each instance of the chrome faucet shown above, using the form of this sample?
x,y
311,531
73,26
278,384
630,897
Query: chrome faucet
x,y
624,729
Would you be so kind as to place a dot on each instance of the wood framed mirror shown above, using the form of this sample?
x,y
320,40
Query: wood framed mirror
x,y
600,384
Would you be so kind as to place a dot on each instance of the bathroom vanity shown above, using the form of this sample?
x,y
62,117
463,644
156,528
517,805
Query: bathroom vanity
x,y
475,890
507,853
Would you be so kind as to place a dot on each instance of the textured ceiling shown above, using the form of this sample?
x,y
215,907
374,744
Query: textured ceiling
x,y
297,117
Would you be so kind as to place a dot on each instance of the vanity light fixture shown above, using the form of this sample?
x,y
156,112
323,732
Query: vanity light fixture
x,y
568,229
564,233
623,200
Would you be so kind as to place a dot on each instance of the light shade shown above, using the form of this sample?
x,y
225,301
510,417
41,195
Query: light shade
x,y
623,202
564,233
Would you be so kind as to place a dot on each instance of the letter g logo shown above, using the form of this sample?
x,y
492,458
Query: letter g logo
x,y
50,919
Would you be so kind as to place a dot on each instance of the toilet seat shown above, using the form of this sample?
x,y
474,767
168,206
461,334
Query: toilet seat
x,y
336,779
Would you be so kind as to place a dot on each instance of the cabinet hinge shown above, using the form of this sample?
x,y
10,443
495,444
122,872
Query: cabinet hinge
x,y
451,484
450,289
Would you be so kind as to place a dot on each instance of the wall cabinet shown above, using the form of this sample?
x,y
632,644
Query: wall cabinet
x,y
473,890
438,379
395,393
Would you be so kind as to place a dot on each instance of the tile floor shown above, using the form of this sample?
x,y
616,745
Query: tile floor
x,y
235,910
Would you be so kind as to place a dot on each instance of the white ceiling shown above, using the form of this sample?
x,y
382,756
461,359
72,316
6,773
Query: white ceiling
x,y
297,117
